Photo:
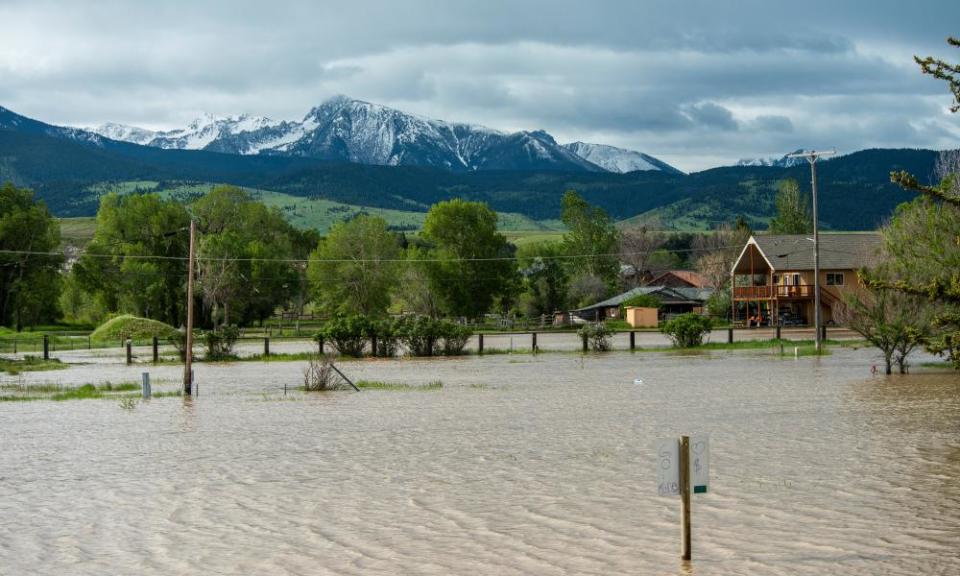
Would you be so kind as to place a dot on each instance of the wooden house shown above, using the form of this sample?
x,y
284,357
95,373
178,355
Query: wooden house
x,y
772,280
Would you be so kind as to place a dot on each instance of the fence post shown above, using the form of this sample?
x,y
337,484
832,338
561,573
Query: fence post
x,y
373,345
146,384
633,340
480,344
89,342
129,345
14,345
534,342
266,346
156,350
584,337
46,347
823,333
320,343
730,335
778,331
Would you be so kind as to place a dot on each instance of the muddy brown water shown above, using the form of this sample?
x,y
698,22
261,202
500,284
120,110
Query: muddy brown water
x,y
518,465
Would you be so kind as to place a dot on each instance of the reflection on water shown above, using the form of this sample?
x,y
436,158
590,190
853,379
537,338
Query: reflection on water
x,y
518,465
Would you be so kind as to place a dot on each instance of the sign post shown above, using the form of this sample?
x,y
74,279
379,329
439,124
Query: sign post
x,y
683,468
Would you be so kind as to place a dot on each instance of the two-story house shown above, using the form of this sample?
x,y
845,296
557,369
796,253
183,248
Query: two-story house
x,y
773,277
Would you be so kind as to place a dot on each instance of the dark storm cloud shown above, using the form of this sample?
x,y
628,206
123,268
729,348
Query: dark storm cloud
x,y
694,82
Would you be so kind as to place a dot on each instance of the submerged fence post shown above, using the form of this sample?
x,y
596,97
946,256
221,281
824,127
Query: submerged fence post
x,y
685,497
46,347
146,384
730,335
266,346
480,344
156,350
584,338
320,343
778,331
633,340
129,344
533,343
373,345
823,333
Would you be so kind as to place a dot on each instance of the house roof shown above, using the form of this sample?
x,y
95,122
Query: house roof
x,y
665,293
786,252
688,277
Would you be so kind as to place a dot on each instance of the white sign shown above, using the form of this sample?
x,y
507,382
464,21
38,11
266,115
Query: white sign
x,y
668,468
699,463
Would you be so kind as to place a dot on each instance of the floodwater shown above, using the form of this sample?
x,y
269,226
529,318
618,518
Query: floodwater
x,y
518,465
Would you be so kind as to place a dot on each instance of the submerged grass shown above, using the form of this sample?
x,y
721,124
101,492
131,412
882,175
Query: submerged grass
x,y
380,385
29,364
59,393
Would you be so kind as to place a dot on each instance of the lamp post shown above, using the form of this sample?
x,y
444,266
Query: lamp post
x,y
812,156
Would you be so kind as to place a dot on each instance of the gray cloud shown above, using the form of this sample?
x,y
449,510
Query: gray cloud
x,y
696,83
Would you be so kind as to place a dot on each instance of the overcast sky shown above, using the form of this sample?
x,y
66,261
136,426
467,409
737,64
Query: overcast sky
x,y
697,84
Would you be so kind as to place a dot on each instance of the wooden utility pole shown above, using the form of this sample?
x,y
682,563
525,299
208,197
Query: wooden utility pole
x,y
685,498
812,156
188,366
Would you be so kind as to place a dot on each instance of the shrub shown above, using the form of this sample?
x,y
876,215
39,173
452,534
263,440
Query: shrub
x,y
179,341
687,330
598,336
319,374
347,334
388,342
455,337
220,342
419,334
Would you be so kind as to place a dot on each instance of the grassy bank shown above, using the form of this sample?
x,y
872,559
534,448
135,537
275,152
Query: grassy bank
x,y
29,364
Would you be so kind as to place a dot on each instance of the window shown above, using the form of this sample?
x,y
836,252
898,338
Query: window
x,y
834,278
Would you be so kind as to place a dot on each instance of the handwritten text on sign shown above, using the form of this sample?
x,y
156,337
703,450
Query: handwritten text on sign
x,y
668,465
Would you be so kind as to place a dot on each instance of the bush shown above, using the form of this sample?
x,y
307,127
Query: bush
x,y
598,336
419,334
425,336
220,342
718,305
388,342
455,337
347,334
179,341
319,374
687,330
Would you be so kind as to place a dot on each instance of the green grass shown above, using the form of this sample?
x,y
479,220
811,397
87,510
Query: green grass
x,y
58,393
128,326
29,364
938,365
77,231
379,385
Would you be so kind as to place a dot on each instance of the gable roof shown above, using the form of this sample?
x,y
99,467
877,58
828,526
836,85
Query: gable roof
x,y
666,294
679,278
785,252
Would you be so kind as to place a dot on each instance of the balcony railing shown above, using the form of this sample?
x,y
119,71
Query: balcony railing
x,y
768,292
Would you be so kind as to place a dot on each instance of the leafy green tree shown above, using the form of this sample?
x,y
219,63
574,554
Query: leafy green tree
x,y
793,210
923,238
136,262
473,263
246,252
29,277
545,278
592,241
354,270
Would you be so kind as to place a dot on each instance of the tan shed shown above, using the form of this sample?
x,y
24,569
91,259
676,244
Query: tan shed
x,y
641,317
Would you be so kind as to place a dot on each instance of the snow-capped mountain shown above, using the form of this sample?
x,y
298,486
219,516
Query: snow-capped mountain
x,y
620,160
783,162
345,129
12,121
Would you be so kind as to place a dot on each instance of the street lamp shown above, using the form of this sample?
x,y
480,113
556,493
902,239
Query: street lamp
x,y
812,156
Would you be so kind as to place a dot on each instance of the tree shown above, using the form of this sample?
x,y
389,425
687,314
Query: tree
x,y
545,278
354,270
716,252
29,275
638,248
893,322
924,238
793,210
471,262
592,241
245,256
136,262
